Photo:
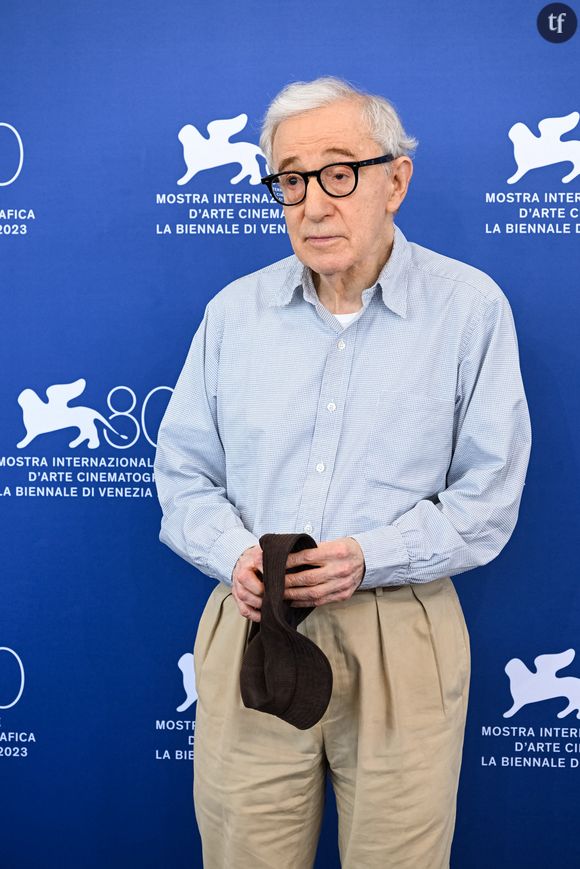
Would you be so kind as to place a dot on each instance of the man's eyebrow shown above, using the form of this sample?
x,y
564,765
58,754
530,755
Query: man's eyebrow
x,y
339,152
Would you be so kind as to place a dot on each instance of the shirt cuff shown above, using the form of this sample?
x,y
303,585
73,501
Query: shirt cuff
x,y
226,551
386,557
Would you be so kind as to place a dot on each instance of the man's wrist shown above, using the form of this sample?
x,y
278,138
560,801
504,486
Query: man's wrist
x,y
240,555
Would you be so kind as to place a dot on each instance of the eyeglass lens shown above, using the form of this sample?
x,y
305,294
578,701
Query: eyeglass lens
x,y
335,180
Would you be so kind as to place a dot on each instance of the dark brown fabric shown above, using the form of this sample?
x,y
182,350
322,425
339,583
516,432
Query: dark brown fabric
x,y
284,673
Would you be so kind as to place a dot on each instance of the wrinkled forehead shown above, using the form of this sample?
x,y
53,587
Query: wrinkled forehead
x,y
336,130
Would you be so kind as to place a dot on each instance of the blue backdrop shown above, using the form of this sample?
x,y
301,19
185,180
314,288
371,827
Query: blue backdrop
x,y
106,266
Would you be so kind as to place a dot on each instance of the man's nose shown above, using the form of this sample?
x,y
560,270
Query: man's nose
x,y
317,203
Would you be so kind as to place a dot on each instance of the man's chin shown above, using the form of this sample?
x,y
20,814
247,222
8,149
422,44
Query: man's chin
x,y
322,262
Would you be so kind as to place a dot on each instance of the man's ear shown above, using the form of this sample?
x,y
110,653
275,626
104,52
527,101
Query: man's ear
x,y
400,176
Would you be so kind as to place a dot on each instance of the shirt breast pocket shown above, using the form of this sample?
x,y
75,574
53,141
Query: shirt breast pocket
x,y
410,442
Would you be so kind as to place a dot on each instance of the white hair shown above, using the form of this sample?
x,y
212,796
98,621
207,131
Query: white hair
x,y
378,113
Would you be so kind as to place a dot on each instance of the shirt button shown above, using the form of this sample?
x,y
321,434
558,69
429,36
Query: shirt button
x,y
341,344
331,406
308,528
320,467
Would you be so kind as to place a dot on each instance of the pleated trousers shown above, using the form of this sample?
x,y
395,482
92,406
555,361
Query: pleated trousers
x,y
391,739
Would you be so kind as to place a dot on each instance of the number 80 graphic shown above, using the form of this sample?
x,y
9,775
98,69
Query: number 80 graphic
x,y
139,426
21,689
20,154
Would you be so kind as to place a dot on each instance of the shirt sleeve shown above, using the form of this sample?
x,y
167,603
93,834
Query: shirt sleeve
x,y
198,522
470,521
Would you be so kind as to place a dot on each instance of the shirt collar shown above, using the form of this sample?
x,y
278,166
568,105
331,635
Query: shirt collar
x,y
392,280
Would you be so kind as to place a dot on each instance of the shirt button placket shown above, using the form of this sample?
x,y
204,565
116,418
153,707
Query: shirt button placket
x,y
314,496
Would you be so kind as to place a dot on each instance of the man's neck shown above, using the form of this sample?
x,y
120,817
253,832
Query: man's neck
x,y
342,292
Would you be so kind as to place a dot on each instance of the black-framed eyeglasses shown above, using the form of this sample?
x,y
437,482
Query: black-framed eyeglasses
x,y
336,179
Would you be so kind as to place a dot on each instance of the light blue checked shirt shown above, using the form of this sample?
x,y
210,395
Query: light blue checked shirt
x,y
407,430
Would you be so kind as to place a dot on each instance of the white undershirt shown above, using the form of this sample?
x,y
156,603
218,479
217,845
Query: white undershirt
x,y
345,319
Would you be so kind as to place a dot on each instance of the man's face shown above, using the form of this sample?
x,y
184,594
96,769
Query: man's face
x,y
337,236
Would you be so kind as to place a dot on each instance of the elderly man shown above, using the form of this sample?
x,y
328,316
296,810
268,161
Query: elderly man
x,y
365,391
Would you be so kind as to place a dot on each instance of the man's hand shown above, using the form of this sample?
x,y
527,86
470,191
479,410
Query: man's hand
x,y
337,570
247,586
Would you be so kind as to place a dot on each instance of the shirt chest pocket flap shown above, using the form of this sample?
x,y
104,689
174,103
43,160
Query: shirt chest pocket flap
x,y
410,441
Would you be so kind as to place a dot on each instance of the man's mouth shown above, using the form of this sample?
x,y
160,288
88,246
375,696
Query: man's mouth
x,y
321,240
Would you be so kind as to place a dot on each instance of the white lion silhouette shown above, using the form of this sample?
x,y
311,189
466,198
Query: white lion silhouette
x,y
185,664
206,153
527,687
534,152
40,417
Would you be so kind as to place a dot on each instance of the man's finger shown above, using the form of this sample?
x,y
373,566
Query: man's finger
x,y
249,613
305,556
251,582
248,599
307,594
304,577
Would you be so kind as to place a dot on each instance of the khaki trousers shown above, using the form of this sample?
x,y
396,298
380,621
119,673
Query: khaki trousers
x,y
391,738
